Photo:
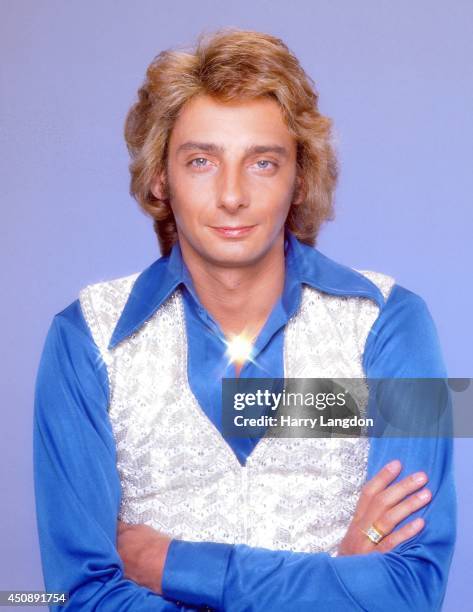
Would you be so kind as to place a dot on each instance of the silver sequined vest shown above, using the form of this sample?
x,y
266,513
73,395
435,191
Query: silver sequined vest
x,y
178,474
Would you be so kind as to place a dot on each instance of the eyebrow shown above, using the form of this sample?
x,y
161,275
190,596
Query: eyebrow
x,y
210,147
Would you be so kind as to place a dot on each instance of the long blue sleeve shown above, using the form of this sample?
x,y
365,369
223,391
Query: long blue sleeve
x,y
403,343
76,482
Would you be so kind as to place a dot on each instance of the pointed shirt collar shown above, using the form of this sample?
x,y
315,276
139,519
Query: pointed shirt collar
x,y
307,264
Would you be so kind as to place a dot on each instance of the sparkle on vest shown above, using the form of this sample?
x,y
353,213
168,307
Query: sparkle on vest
x,y
239,348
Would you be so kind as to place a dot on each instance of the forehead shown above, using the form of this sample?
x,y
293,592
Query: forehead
x,y
259,120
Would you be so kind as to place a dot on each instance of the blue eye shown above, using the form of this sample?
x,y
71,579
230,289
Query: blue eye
x,y
197,159
265,161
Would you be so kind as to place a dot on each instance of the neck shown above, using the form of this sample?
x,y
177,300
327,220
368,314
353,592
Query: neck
x,y
226,293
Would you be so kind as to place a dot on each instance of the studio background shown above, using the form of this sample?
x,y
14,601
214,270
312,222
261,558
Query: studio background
x,y
396,79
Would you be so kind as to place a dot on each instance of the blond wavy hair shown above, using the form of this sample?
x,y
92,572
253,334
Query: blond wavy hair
x,y
231,64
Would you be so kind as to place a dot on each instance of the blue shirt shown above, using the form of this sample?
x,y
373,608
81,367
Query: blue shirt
x,y
78,488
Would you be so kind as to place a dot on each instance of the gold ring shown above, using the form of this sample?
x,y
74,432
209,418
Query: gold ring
x,y
374,533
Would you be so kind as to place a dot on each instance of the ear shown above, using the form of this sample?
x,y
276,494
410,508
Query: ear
x,y
299,195
157,185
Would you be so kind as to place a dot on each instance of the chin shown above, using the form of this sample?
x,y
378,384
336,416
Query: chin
x,y
230,257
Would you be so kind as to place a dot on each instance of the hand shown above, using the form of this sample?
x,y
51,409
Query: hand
x,y
386,506
143,551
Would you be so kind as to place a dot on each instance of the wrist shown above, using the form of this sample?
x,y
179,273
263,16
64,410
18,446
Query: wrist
x,y
155,559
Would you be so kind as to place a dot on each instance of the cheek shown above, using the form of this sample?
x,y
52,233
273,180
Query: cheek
x,y
189,208
276,194
276,207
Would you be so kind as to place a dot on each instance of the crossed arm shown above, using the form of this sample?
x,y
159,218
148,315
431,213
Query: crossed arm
x,y
144,550
78,497
406,570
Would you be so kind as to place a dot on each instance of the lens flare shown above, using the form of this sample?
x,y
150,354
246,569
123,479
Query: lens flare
x,y
240,348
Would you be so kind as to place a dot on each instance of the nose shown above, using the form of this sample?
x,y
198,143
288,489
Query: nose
x,y
232,194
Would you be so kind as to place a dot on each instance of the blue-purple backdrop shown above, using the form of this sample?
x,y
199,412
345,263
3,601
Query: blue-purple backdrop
x,y
395,77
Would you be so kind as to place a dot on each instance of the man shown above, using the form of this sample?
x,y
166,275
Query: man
x,y
142,503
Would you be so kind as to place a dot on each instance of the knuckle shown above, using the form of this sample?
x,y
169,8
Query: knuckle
x,y
397,538
367,489
412,504
381,500
407,485
386,523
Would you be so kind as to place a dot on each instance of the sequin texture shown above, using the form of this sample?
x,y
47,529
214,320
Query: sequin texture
x,y
177,473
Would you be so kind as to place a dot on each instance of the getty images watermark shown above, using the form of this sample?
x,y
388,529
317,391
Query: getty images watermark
x,y
320,401
347,407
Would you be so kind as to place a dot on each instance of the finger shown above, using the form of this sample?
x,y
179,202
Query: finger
x,y
387,522
397,492
375,485
400,535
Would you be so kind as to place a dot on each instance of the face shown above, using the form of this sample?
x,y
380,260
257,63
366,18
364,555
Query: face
x,y
231,179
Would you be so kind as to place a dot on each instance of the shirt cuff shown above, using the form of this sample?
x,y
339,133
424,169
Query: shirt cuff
x,y
194,572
